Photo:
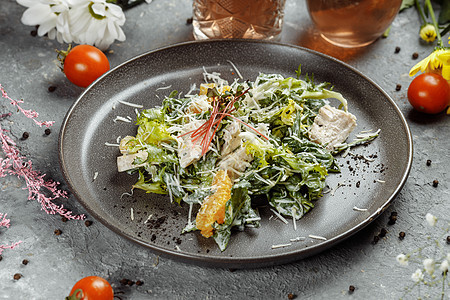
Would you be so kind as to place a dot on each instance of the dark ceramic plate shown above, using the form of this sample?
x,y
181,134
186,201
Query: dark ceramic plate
x,y
368,184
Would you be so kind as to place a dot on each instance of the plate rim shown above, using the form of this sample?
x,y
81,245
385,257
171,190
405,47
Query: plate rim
x,y
226,261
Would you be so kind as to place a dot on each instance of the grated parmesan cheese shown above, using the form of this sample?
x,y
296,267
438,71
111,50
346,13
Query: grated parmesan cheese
x,y
368,158
298,239
236,69
111,145
148,219
317,237
164,87
119,118
281,246
131,104
279,216
338,186
359,209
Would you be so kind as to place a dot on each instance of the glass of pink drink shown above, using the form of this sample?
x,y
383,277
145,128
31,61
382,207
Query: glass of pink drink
x,y
352,23
248,19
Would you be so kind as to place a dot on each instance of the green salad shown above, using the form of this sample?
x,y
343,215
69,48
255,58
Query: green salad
x,y
221,148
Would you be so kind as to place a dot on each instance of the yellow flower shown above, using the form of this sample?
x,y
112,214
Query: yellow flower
x,y
437,62
428,32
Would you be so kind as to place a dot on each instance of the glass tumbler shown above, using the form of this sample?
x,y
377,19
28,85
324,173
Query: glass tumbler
x,y
352,23
248,19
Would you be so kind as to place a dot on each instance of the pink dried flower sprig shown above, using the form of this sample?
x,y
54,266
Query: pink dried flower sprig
x,y
13,163
44,191
4,222
38,187
12,246
28,113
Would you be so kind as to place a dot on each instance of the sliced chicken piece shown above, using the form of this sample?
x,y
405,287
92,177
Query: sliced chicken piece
x,y
126,161
189,152
231,138
332,126
236,162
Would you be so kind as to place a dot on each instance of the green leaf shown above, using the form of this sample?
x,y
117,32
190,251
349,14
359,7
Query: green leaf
x,y
152,132
299,71
149,187
237,210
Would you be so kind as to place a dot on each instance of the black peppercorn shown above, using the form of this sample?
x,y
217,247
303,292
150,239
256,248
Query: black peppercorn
x,y
401,235
25,262
392,220
448,242
51,88
64,219
25,135
58,232
88,223
397,49
398,87
435,183
428,162
1,257
351,288
382,233
17,276
139,283
33,32
124,281
415,55
291,296
47,131
376,239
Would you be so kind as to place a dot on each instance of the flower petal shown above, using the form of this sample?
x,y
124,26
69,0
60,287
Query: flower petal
x,y
446,72
99,9
46,27
36,15
27,3
419,66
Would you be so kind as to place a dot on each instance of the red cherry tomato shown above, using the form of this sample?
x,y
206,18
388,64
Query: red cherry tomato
x,y
91,288
429,93
84,64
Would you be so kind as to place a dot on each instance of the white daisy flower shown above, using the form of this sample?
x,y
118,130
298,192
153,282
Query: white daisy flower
x,y
50,15
417,276
96,22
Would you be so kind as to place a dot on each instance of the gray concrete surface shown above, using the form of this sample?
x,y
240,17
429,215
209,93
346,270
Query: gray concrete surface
x,y
28,68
